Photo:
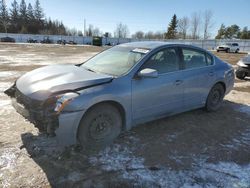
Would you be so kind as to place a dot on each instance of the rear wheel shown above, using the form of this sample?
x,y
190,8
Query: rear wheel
x,y
215,98
240,74
99,127
227,50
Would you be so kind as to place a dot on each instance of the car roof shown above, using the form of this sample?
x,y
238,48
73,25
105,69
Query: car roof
x,y
151,45
146,44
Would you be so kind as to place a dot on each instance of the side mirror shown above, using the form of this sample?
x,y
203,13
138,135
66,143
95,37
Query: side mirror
x,y
148,73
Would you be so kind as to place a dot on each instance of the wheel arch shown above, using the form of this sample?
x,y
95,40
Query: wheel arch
x,y
116,104
221,83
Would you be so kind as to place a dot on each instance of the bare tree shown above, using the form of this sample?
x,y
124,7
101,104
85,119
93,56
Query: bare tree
x,y
121,31
159,35
149,35
207,23
195,25
183,25
138,35
89,31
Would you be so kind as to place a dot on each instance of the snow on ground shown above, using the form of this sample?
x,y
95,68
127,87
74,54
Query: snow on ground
x,y
7,163
4,86
244,109
8,74
121,159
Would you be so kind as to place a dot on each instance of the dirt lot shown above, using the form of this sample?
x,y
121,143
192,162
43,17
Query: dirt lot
x,y
196,148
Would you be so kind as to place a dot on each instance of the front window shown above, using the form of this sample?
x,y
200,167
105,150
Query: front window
x,y
164,61
115,61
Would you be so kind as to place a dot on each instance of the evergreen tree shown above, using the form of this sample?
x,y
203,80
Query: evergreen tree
x,y
172,28
39,16
14,17
31,27
4,16
221,32
233,32
244,33
30,14
23,16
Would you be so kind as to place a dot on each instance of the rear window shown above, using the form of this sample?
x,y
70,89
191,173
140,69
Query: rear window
x,y
194,58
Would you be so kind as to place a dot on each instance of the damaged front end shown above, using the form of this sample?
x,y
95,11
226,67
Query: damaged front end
x,y
43,114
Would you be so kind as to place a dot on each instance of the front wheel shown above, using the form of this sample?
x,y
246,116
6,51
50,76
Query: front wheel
x,y
99,127
215,98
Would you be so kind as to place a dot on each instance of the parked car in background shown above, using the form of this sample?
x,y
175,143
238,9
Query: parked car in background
x,y
229,47
30,40
72,42
7,39
46,41
243,68
63,42
93,102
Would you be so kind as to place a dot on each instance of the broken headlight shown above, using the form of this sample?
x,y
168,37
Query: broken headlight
x,y
63,100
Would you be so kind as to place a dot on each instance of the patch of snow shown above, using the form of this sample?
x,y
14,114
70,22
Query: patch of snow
x,y
4,86
244,109
4,103
7,159
122,160
8,73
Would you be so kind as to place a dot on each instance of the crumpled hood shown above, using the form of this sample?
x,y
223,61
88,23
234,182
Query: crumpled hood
x,y
56,78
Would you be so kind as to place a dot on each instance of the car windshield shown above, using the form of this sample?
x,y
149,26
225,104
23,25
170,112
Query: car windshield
x,y
115,61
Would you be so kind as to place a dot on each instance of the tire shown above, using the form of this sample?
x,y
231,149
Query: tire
x,y
218,51
99,127
237,51
240,74
227,50
215,98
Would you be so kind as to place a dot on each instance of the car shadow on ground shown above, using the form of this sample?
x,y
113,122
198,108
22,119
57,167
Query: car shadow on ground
x,y
175,142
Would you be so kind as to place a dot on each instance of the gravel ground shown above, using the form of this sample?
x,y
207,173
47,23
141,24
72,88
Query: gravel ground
x,y
192,149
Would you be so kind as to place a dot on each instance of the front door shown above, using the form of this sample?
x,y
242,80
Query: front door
x,y
163,95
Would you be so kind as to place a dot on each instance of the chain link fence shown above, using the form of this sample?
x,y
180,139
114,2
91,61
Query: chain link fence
x,y
206,44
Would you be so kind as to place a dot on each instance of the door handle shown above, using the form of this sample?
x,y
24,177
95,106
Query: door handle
x,y
211,73
178,82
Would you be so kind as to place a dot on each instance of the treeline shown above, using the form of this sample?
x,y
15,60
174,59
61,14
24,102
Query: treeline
x,y
198,26
23,18
232,32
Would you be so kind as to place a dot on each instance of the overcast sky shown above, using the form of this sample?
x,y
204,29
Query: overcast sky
x,y
142,15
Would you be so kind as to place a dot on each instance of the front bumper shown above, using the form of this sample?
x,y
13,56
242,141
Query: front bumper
x,y
66,133
64,126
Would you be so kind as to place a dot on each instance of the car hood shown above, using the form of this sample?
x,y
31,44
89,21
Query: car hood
x,y
224,45
56,78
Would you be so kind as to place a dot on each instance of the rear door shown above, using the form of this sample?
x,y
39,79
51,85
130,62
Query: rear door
x,y
155,97
198,76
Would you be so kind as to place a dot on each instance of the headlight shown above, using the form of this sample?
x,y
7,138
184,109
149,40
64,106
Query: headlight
x,y
63,100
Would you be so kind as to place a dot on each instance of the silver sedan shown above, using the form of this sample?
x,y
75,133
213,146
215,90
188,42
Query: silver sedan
x,y
93,102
